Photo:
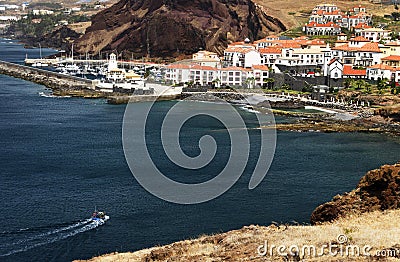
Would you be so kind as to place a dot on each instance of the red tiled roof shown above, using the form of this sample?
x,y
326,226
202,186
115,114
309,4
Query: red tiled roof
x,y
371,47
362,25
178,66
383,67
349,71
270,50
360,39
238,50
191,66
260,67
333,61
329,24
392,58
234,68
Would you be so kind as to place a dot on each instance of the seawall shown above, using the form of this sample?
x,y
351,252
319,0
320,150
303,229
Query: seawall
x,y
59,83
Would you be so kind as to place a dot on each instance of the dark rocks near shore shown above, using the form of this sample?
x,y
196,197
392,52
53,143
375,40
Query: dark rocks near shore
x,y
288,104
378,190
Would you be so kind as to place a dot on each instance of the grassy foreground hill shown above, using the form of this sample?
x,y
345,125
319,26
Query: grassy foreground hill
x,y
365,227
377,230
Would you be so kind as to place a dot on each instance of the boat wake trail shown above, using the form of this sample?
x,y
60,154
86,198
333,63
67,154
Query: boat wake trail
x,y
25,239
48,95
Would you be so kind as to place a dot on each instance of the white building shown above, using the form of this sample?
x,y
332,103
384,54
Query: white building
x,y
269,55
205,75
329,28
334,69
206,58
42,12
358,51
374,34
379,72
241,56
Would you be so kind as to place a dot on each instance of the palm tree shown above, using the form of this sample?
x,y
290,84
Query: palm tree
x,y
250,82
216,82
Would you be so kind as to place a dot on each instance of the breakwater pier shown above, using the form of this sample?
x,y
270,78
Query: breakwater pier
x,y
59,83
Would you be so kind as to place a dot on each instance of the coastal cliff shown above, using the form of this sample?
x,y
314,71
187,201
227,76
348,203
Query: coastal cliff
x,y
171,28
378,190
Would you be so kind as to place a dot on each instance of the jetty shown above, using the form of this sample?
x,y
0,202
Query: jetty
x,y
59,83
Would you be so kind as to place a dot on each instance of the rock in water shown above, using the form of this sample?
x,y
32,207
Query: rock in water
x,y
378,190
169,28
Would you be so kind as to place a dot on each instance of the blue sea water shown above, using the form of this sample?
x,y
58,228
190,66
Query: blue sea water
x,y
61,157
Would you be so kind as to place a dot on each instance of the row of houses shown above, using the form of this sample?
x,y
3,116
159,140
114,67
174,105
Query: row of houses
x,y
328,19
358,57
257,75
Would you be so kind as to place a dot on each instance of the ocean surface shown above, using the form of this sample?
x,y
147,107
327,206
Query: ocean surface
x,y
62,157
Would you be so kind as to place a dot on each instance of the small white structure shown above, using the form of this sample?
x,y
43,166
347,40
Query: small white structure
x,y
206,58
42,12
335,69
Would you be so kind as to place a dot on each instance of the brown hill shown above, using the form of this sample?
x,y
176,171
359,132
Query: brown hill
x,y
172,27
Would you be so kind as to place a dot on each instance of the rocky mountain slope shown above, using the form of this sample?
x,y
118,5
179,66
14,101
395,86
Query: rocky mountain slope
x,y
169,28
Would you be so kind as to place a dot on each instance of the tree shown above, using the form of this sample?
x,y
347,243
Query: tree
x,y
269,82
347,83
216,82
250,82
381,85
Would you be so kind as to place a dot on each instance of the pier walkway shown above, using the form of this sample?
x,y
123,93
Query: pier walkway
x,y
59,83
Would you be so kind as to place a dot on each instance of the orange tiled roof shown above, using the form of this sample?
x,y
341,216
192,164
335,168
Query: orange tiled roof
x,y
360,39
238,50
362,25
270,50
370,47
191,66
383,67
348,70
329,24
234,68
260,67
178,66
392,58
392,44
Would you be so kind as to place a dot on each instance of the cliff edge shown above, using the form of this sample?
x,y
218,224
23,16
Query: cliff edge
x,y
379,189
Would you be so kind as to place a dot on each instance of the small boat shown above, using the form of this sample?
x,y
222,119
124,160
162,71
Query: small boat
x,y
39,64
99,216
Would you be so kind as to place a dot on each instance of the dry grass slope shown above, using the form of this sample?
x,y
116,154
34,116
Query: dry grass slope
x,y
292,13
376,229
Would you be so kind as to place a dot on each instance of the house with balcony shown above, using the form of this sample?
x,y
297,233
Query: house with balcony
x,y
379,72
392,60
241,57
359,51
269,55
328,28
373,34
